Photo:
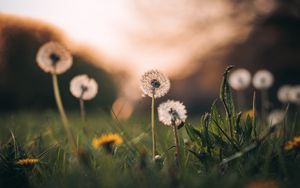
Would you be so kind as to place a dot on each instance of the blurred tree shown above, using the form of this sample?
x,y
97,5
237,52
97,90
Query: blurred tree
x,y
24,86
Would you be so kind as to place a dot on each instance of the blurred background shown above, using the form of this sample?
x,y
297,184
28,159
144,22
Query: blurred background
x,y
192,41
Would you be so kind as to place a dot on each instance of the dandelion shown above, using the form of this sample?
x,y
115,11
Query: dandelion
x,y
55,59
249,113
295,94
84,88
263,184
283,93
292,144
158,157
239,79
27,162
107,141
263,79
159,161
276,116
154,84
173,113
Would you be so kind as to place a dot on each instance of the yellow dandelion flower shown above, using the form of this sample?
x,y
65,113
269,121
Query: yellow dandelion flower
x,y
263,184
292,144
27,162
107,141
249,113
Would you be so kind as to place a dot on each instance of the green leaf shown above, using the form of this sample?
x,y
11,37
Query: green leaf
x,y
193,133
226,93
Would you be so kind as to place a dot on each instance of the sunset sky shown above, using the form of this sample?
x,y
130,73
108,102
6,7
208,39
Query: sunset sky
x,y
166,35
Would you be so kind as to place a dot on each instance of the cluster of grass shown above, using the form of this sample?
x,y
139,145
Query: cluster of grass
x,y
226,148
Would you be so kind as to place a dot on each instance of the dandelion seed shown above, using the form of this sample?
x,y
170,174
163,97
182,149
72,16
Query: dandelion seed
x,y
283,93
295,94
155,83
240,79
54,58
276,116
107,141
158,157
292,144
263,79
83,87
27,162
172,112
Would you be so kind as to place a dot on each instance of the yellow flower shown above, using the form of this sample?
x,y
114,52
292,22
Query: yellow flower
x,y
263,184
107,141
27,162
292,144
249,113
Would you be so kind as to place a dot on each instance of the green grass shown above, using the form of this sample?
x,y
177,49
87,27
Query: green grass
x,y
219,149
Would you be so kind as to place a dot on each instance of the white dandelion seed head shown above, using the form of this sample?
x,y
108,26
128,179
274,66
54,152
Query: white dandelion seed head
x,y
283,93
54,58
83,87
263,79
295,94
157,157
239,79
154,81
275,117
172,111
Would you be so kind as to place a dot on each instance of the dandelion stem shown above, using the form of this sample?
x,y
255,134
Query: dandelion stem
x,y
153,127
82,109
176,142
62,113
254,115
264,104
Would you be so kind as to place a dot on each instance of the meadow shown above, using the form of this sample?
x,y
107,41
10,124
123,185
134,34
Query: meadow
x,y
253,156
225,147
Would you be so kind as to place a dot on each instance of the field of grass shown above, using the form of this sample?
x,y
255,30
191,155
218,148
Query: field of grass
x,y
222,148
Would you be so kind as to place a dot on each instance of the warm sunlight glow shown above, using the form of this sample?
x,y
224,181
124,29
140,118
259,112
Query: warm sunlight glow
x,y
146,34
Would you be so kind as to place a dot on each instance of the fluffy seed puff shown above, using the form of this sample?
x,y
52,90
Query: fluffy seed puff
x,y
239,79
83,87
172,112
263,79
283,93
295,94
54,58
276,116
154,83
